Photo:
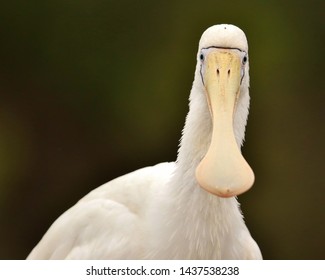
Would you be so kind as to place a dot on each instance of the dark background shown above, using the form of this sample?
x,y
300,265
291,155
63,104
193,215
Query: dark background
x,y
93,89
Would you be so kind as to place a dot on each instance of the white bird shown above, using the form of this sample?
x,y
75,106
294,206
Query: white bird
x,y
185,209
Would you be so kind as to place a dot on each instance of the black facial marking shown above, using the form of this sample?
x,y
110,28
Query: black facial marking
x,y
201,75
241,80
219,47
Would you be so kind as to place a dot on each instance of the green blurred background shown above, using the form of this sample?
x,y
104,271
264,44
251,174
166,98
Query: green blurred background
x,y
93,89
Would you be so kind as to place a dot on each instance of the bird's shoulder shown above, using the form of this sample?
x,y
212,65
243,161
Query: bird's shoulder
x,y
135,186
115,207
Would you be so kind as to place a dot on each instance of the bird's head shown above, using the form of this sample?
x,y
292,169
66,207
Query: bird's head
x,y
223,73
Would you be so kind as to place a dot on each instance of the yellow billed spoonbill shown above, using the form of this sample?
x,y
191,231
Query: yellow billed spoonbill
x,y
185,209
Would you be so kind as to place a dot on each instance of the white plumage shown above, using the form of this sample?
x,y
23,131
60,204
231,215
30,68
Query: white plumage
x,y
185,209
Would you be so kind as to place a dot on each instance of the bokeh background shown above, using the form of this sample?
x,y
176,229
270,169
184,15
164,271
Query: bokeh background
x,y
93,89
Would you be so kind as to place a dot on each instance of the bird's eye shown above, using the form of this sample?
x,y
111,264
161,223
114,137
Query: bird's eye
x,y
245,59
201,57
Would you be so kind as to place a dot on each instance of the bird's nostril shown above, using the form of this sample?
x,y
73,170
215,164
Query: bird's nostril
x,y
228,72
218,72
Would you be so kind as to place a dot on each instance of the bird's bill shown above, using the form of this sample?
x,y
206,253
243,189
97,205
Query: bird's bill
x,y
223,171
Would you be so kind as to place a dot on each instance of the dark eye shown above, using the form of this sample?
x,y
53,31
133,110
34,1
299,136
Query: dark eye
x,y
245,59
201,57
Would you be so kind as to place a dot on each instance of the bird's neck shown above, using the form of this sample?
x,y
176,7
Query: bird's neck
x,y
196,135
197,131
197,214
